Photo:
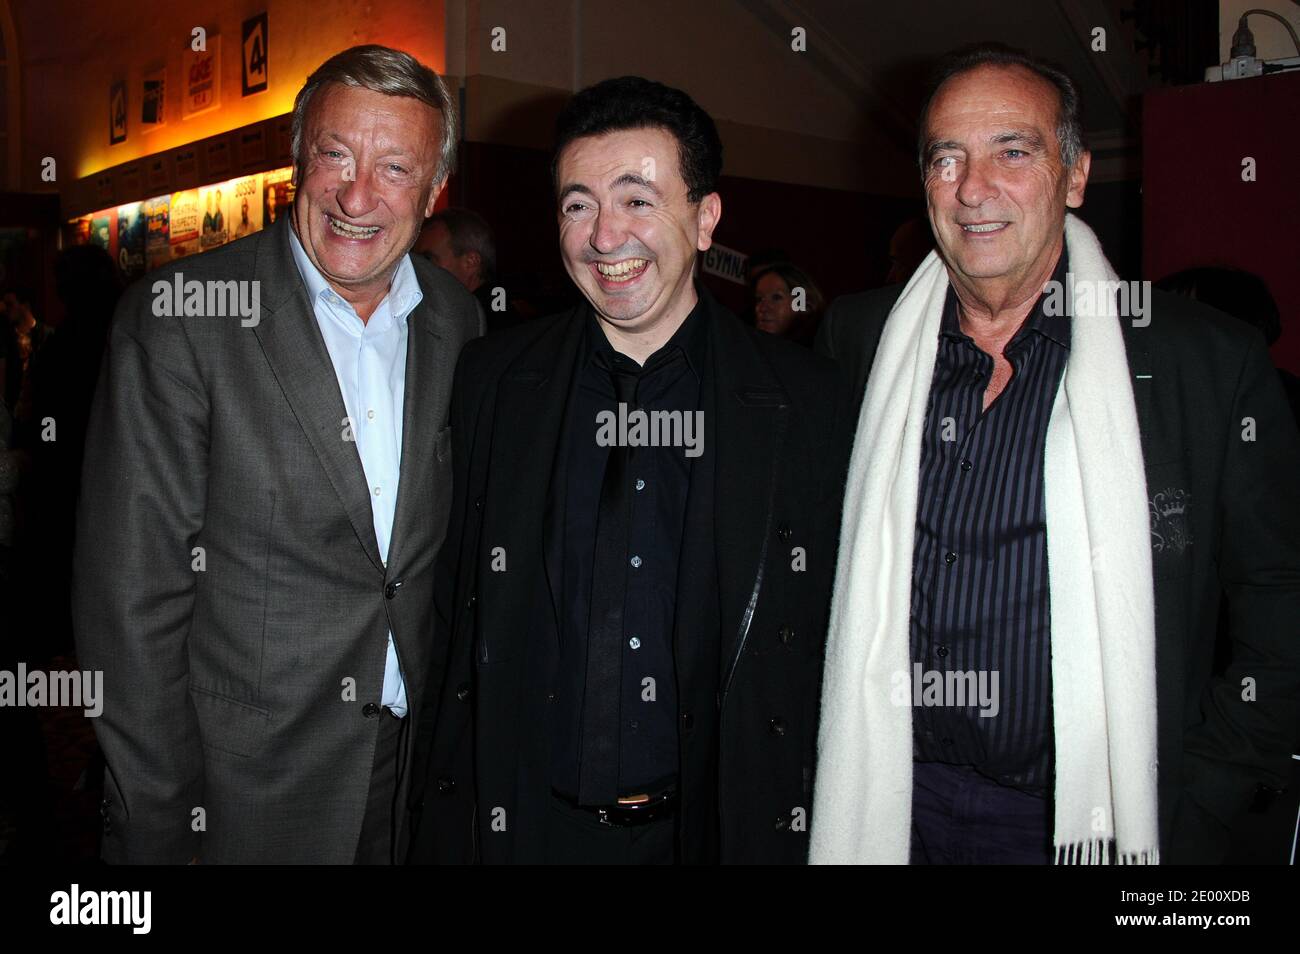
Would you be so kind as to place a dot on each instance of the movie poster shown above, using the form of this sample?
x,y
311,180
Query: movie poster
x,y
185,219
214,204
277,195
101,232
157,236
153,100
130,240
245,206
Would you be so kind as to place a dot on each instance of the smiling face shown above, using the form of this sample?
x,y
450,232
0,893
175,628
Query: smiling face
x,y
365,185
772,311
628,232
995,184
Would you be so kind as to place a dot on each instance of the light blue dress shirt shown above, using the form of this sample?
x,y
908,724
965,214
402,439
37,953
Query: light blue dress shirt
x,y
370,362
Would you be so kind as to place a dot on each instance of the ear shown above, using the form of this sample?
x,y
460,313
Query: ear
x,y
707,216
1078,180
433,196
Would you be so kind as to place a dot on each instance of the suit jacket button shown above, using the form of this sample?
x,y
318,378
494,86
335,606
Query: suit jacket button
x,y
391,589
462,691
469,603
783,531
478,503
786,635
777,726
688,722
370,710
780,823
446,786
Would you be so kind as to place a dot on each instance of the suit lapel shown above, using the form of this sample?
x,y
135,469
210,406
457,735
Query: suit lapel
x,y
531,405
752,411
295,349
428,372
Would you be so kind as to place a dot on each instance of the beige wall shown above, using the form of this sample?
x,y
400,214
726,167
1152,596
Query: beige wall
x,y
1271,39
782,116
65,112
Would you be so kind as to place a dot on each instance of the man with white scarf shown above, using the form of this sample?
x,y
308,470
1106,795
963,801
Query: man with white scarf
x,y
1053,483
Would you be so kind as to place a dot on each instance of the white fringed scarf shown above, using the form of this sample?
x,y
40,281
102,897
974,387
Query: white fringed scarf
x,y
1102,605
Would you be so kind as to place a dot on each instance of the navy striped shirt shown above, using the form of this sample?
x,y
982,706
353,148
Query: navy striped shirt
x,y
980,605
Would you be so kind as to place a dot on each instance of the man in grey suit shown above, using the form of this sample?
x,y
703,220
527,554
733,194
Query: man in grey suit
x,y
267,482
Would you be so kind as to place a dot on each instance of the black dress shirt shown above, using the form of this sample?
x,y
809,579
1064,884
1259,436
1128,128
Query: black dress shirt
x,y
670,380
979,579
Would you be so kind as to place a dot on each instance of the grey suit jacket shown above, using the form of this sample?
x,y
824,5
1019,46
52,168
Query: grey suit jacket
x,y
227,580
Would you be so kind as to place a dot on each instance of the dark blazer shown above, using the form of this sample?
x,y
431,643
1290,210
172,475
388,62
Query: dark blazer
x,y
1225,522
247,685
750,628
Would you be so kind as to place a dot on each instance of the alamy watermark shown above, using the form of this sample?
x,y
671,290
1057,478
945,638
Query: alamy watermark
x,y
639,428
208,299
81,689
1087,298
953,688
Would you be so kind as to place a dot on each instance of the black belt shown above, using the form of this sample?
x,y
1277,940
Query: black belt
x,y
628,811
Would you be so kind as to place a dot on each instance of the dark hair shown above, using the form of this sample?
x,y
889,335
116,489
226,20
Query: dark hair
x,y
469,232
1069,122
1232,291
795,277
86,275
765,257
633,102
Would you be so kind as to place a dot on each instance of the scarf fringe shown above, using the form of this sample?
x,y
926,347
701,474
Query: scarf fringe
x,y
1098,851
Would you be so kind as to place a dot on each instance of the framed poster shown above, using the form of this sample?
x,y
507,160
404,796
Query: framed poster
x,y
201,78
254,72
117,113
152,100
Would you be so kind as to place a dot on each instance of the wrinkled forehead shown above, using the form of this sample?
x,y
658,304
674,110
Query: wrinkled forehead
x,y
346,112
989,97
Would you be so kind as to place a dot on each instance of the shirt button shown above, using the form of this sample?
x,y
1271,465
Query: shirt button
x,y
966,466
370,414
640,484
377,489
636,562
950,558
635,642
941,652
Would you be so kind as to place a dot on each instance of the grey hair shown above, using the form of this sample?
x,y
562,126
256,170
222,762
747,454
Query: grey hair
x,y
469,232
383,70
1069,122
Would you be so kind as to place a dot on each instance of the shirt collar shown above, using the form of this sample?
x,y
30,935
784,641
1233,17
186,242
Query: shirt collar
x,y
689,338
403,291
1053,327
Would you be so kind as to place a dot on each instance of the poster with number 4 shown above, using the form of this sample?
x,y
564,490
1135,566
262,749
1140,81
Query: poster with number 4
x,y
255,74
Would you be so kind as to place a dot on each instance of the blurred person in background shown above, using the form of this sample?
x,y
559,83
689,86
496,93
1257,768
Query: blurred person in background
x,y
787,303
1243,295
462,242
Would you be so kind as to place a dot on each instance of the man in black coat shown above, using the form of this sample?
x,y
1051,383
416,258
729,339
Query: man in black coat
x,y
642,540
1220,455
